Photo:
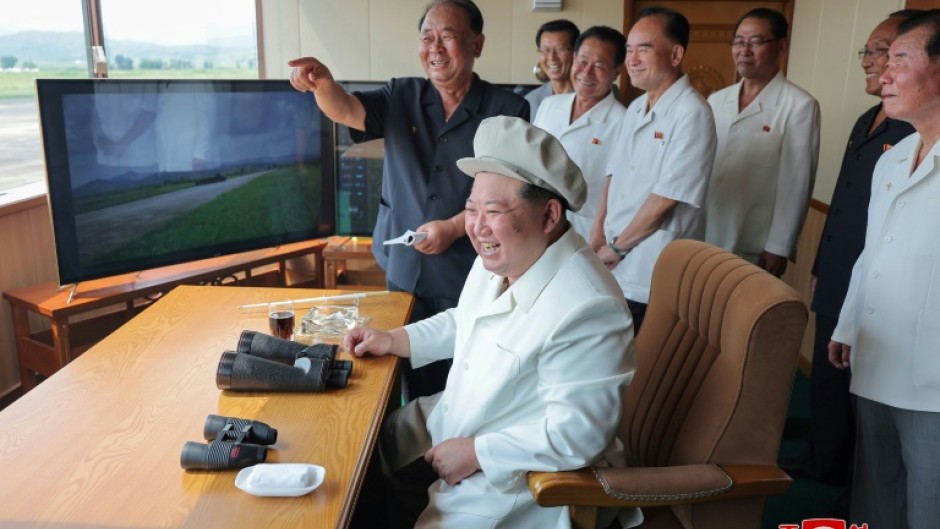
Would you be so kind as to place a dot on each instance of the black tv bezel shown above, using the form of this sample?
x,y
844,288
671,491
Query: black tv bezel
x,y
50,94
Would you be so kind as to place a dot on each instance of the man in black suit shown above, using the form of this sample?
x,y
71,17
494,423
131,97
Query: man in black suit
x,y
830,450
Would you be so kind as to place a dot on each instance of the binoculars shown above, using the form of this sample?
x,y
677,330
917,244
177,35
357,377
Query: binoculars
x,y
233,443
264,363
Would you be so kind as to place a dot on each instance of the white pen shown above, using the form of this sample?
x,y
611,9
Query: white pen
x,y
341,297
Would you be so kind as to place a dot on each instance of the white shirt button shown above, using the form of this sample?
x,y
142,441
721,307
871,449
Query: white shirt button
x,y
869,309
888,238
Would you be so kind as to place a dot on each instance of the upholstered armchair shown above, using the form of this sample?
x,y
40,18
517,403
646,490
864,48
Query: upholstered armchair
x,y
703,418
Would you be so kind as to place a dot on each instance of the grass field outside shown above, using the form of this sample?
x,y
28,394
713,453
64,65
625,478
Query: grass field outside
x,y
253,210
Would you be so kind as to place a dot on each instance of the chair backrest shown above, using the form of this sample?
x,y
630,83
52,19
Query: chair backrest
x,y
715,362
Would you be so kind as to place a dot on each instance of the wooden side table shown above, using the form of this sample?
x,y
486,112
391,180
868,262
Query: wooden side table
x,y
108,303
348,264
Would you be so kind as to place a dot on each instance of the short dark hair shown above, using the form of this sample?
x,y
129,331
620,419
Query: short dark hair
x,y
676,27
539,195
474,16
562,24
905,13
929,18
609,35
779,27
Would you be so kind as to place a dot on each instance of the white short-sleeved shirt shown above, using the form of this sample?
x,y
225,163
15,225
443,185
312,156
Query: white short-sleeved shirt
x,y
590,142
668,151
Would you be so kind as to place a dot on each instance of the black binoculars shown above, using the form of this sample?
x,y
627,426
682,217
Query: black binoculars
x,y
262,362
233,443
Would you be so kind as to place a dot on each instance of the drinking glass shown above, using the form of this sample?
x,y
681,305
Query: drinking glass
x,y
281,319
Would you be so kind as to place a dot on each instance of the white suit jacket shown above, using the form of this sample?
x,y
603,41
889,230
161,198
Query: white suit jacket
x,y
536,381
590,141
891,314
765,166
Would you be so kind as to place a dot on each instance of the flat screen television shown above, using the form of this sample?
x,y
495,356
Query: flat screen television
x,y
148,173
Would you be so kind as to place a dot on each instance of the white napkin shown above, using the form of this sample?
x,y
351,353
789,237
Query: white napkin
x,y
281,477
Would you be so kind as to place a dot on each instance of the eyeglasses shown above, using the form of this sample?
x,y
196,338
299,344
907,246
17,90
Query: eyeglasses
x,y
872,53
753,42
547,52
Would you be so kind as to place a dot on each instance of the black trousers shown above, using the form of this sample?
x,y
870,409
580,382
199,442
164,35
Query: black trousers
x,y
430,379
638,312
832,421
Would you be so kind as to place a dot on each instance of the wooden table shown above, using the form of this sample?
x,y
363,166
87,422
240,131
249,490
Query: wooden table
x,y
98,444
339,256
47,351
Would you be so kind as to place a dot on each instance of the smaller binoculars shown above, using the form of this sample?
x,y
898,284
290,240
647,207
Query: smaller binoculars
x,y
233,443
264,363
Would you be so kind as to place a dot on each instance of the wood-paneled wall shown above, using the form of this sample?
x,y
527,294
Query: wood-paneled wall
x,y
798,274
27,258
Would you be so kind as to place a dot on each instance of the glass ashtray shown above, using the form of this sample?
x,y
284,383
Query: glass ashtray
x,y
330,320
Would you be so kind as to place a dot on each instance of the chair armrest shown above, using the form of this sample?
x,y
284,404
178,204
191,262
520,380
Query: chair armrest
x,y
655,486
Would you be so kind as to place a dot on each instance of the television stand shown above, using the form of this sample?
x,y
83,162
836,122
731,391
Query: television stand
x,y
80,320
72,291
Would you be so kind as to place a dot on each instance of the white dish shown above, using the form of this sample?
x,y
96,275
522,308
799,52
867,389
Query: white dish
x,y
243,480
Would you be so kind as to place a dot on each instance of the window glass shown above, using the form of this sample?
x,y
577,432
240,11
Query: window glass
x,y
180,38
171,38
39,38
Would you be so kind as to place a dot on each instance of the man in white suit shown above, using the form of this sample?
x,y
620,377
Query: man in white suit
x,y
889,327
768,148
587,122
541,340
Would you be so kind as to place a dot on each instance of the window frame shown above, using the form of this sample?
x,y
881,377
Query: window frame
x,y
14,198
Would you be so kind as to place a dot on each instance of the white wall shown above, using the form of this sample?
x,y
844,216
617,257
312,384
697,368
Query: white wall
x,y
824,61
377,39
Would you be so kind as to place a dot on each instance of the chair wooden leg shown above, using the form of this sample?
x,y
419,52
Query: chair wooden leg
x,y
583,517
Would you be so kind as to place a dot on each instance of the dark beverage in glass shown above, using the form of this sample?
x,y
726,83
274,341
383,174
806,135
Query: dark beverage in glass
x,y
281,323
281,319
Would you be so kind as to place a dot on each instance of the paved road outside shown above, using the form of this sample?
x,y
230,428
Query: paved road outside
x,y
21,160
109,227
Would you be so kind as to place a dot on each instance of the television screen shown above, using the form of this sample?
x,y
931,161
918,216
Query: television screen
x,y
358,175
359,170
148,173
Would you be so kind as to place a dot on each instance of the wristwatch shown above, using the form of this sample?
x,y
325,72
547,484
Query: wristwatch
x,y
618,251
